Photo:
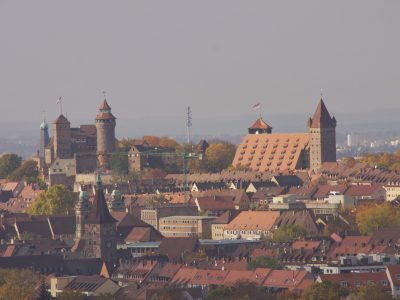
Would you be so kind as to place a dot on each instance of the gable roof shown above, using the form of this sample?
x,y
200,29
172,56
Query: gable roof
x,y
61,120
253,220
175,247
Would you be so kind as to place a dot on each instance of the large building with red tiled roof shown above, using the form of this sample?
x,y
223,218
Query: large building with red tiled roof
x,y
264,151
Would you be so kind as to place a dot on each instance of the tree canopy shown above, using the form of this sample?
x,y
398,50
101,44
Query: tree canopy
x,y
28,171
369,292
370,219
17,284
8,163
385,161
325,290
288,233
264,262
57,200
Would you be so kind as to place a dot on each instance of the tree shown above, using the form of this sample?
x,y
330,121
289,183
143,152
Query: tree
x,y
370,292
71,295
370,219
169,293
288,295
119,164
17,284
219,156
8,163
349,161
28,172
264,262
288,233
220,293
57,200
325,290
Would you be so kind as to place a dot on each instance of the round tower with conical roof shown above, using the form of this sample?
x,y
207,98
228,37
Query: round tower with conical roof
x,y
105,127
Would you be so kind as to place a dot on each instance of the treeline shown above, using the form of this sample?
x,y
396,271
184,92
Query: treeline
x,y
384,161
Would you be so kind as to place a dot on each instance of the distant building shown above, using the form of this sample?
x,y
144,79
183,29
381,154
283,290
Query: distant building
x,y
264,151
145,156
186,226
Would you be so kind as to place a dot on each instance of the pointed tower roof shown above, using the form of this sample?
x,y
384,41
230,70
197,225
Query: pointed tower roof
x,y
61,120
105,106
44,125
99,213
322,118
105,112
260,124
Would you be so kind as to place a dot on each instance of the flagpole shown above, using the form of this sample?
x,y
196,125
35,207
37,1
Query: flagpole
x,y
260,110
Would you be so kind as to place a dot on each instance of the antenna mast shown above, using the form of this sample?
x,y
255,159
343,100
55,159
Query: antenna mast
x,y
188,123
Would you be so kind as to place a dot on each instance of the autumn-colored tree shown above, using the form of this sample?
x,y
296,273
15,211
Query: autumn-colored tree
x,y
9,163
57,200
17,284
288,295
71,295
385,161
370,292
349,161
150,174
219,156
370,219
325,290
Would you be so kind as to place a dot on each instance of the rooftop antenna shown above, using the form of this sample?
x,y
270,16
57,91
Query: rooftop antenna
x,y
105,94
322,93
188,123
59,101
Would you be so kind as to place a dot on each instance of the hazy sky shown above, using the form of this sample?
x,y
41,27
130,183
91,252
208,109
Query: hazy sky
x,y
220,57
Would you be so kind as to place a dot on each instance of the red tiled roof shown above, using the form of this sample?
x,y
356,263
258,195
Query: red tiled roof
x,y
272,152
260,124
104,105
61,120
354,280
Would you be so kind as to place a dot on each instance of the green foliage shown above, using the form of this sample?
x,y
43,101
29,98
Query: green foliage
x,y
28,172
220,293
264,262
57,200
370,219
324,291
71,295
119,164
8,163
370,292
289,233
17,284
169,293
155,200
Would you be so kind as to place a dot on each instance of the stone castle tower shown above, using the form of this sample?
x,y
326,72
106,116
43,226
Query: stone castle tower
x,y
62,138
105,127
100,229
322,137
44,140
82,209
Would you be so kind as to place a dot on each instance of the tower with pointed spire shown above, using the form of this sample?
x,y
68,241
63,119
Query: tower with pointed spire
x,y
322,128
44,140
105,128
62,138
82,209
117,203
100,228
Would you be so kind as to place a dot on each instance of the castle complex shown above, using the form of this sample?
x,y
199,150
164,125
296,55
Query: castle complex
x,y
264,151
87,147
